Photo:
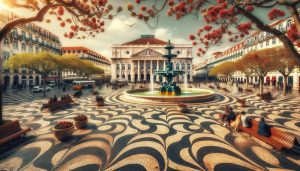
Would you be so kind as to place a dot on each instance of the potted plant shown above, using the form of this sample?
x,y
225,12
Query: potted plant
x,y
63,130
100,101
80,121
241,102
95,93
182,108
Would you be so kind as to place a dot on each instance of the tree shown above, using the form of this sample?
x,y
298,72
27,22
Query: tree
x,y
81,16
227,19
245,68
259,62
283,64
225,70
42,64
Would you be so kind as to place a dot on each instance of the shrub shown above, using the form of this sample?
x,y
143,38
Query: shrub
x,y
63,125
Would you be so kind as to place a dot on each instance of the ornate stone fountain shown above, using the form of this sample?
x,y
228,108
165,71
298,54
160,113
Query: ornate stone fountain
x,y
169,88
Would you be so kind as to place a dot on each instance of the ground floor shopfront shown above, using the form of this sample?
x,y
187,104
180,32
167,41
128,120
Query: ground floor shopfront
x,y
273,79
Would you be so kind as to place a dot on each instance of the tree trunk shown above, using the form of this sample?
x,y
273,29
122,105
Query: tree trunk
x,y
284,84
261,85
44,86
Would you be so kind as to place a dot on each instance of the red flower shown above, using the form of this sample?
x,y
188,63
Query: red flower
x,y
130,7
194,43
249,8
192,37
275,13
171,2
137,1
292,33
62,24
143,8
207,27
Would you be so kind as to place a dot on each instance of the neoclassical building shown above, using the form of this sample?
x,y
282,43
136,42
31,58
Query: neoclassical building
x,y
138,59
28,38
89,55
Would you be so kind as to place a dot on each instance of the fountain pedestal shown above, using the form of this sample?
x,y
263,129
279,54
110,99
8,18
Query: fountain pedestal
x,y
169,88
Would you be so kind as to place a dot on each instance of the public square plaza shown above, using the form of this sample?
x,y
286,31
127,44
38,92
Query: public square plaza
x,y
135,135
156,85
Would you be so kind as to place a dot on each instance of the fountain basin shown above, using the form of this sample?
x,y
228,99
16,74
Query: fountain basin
x,y
187,95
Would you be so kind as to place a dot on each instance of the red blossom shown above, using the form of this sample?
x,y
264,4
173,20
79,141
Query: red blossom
x,y
207,27
62,24
275,13
137,1
292,33
249,8
194,43
192,37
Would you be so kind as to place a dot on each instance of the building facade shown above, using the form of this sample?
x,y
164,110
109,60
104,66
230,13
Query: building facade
x,y
28,38
138,59
89,55
258,40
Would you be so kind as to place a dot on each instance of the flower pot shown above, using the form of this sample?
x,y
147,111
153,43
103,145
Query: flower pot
x,y
241,104
182,109
100,103
63,134
81,124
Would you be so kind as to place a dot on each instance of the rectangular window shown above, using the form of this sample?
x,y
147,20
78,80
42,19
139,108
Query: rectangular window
x,y
23,47
30,48
267,43
6,42
273,41
6,55
15,45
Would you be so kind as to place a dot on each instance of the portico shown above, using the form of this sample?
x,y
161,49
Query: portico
x,y
137,60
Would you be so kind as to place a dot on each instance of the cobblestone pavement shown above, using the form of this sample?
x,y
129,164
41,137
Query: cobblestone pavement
x,y
138,135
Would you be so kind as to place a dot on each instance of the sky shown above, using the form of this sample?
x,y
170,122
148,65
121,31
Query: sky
x,y
117,31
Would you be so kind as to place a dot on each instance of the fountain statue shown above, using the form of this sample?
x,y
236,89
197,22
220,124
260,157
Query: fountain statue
x,y
169,88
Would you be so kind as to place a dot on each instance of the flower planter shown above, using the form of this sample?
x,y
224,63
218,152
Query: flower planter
x,y
182,109
100,103
81,124
63,134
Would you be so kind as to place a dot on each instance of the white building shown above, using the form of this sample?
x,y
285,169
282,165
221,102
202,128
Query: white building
x,y
89,55
258,40
28,38
138,59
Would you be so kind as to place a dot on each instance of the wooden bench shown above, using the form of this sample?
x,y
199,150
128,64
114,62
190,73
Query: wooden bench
x,y
58,104
11,131
278,139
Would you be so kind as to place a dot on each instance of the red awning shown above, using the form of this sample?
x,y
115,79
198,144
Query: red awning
x,y
268,78
273,78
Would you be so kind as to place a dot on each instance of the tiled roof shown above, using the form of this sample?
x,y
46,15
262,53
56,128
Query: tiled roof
x,y
84,49
145,39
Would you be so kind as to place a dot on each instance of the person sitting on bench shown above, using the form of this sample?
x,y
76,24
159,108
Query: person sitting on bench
x,y
264,128
231,115
246,121
237,122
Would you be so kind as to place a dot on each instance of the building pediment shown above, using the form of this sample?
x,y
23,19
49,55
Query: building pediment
x,y
147,53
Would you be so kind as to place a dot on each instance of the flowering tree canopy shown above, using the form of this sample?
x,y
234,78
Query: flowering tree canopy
x,y
227,19
225,70
78,15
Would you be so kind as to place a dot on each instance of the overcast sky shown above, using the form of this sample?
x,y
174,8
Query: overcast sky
x,y
118,31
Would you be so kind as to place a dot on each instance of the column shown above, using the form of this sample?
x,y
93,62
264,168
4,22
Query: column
x,y
157,69
126,71
120,72
296,80
11,79
151,68
132,71
164,79
191,72
181,77
145,69
113,72
139,71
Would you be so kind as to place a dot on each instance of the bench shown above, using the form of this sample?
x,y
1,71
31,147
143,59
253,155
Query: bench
x,y
11,131
278,139
58,104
